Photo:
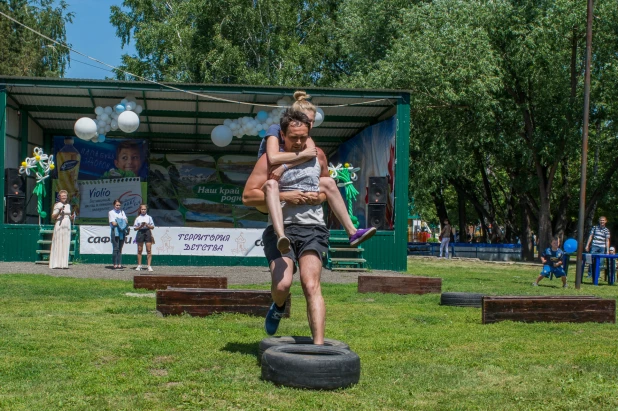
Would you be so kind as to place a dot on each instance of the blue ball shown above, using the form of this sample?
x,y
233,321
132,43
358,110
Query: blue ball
x,y
101,138
570,246
120,108
261,116
262,133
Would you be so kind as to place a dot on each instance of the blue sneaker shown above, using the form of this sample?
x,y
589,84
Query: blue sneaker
x,y
272,319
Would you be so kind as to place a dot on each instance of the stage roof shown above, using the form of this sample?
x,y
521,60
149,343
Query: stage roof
x,y
175,121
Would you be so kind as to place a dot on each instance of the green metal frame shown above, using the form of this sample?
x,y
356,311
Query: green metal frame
x,y
387,249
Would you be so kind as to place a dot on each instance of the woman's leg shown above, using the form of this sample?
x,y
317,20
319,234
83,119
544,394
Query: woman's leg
x,y
271,192
115,251
140,249
149,252
336,203
120,245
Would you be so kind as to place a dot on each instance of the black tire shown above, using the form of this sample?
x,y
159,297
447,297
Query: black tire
x,y
311,366
461,299
266,343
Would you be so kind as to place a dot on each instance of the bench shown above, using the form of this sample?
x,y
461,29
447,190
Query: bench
x,y
558,308
399,284
201,302
161,282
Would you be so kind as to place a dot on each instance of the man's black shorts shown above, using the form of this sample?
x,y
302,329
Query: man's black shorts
x,y
302,238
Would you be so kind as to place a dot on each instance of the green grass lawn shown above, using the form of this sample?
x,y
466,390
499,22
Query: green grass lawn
x,y
76,344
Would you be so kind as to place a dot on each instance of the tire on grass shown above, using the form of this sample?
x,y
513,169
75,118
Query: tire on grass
x,y
317,367
461,299
266,343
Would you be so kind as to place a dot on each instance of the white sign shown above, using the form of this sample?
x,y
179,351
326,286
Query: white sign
x,y
96,196
232,242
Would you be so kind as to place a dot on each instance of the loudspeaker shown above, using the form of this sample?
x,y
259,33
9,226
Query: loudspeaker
x,y
376,216
15,210
378,189
14,183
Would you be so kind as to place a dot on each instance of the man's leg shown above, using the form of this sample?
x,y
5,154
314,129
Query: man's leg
x,y
282,271
310,266
446,243
271,192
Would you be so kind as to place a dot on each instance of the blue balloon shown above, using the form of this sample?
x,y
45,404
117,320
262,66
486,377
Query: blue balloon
x,y
570,246
262,133
261,116
101,138
120,108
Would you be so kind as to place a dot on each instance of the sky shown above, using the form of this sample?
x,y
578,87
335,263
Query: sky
x,y
91,33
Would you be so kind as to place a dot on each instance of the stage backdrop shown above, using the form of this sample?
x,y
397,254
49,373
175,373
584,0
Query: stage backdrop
x,y
198,190
95,174
373,150
179,241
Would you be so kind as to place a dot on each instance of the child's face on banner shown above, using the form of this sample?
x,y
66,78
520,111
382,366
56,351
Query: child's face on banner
x,y
129,160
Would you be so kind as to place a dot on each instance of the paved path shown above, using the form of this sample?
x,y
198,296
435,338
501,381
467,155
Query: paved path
x,y
234,274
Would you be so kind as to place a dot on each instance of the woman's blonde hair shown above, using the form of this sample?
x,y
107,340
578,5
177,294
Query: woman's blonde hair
x,y
301,102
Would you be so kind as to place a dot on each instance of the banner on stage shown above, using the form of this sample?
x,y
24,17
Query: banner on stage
x,y
179,241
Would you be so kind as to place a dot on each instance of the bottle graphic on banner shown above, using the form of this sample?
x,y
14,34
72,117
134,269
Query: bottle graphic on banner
x,y
68,159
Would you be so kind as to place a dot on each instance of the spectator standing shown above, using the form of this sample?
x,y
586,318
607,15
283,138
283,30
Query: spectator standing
x,y
445,238
598,240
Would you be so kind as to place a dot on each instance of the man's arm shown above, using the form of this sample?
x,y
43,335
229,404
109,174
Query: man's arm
x,y
253,195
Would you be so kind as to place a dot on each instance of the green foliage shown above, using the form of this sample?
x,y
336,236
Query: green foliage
x,y
24,53
76,344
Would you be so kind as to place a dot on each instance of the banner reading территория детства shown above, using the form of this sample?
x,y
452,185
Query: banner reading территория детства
x,y
179,241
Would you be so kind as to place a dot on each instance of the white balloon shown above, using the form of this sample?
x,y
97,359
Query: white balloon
x,y
227,122
233,126
259,127
115,115
109,120
104,117
139,109
221,136
130,105
85,128
95,139
101,123
99,110
101,130
108,110
107,128
114,125
128,121
319,117
124,101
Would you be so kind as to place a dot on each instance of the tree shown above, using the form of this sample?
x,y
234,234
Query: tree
x,y
24,53
273,42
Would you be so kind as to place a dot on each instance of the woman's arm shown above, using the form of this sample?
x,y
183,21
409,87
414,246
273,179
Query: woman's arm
x,y
275,157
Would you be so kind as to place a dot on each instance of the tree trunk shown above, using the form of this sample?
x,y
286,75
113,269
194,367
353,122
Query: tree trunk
x,y
461,206
438,200
525,237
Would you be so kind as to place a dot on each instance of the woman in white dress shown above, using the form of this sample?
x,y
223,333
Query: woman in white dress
x,y
61,240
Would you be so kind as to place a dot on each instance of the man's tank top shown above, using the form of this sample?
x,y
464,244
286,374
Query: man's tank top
x,y
304,177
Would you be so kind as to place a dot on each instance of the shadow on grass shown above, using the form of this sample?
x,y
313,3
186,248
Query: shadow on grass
x,y
242,348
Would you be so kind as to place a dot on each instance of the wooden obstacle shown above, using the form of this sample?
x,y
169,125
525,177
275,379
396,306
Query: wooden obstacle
x,y
161,282
399,284
201,302
558,308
